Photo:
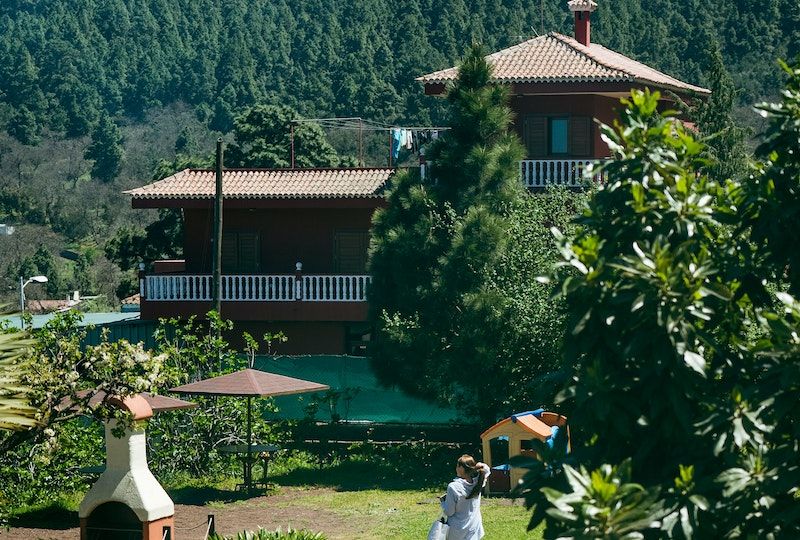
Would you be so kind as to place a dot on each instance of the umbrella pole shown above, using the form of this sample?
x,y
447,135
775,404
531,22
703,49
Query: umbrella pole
x,y
249,469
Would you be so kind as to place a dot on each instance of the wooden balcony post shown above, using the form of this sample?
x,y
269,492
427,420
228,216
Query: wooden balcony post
x,y
142,290
298,281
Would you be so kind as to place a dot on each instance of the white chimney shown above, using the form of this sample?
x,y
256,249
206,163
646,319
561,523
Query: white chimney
x,y
127,479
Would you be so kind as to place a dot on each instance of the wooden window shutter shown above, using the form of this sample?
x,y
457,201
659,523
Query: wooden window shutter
x,y
535,133
580,135
350,252
240,252
229,252
248,253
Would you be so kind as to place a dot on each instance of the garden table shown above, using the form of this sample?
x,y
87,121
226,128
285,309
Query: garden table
x,y
250,383
263,451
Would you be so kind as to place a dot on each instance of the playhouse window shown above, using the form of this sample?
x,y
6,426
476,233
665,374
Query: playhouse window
x,y
499,449
526,448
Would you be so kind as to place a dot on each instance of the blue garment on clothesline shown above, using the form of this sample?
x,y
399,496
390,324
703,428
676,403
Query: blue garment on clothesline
x,y
397,137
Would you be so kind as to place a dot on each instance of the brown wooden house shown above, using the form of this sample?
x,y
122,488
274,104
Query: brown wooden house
x,y
295,241
558,86
294,252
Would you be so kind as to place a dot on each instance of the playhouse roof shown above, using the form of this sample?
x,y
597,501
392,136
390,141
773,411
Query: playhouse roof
x,y
527,421
347,183
555,57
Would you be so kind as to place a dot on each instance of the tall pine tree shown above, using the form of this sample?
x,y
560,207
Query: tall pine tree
x,y
105,150
436,250
263,139
714,119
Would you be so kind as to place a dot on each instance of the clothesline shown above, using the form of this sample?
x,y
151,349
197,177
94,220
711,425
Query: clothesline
x,y
409,137
356,123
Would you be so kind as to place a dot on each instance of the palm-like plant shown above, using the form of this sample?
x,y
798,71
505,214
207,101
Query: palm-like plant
x,y
16,412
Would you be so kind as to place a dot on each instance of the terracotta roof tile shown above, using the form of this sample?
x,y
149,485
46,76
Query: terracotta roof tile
x,y
134,299
269,184
558,58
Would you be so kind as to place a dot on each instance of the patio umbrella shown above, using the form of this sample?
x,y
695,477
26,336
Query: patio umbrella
x,y
250,383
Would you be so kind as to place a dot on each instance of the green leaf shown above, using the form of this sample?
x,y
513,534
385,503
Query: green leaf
x,y
699,501
695,361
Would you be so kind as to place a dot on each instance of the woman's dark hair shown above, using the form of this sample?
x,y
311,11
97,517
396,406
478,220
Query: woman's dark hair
x,y
467,463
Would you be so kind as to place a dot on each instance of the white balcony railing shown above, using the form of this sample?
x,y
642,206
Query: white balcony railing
x,y
257,288
539,173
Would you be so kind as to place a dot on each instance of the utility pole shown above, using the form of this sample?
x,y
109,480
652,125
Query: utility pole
x,y
541,16
217,242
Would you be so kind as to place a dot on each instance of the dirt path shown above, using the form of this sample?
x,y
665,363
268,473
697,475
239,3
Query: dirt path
x,y
268,512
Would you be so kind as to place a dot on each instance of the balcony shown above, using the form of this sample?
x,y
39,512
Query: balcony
x,y
541,173
256,288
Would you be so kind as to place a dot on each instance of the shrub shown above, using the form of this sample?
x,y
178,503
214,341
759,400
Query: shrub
x,y
278,534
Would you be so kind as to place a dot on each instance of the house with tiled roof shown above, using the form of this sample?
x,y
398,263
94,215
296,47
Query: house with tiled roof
x,y
559,85
294,252
294,241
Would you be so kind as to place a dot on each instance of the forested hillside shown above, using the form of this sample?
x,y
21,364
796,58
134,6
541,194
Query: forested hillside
x,y
139,75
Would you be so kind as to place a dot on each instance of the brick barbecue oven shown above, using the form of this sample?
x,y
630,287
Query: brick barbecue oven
x,y
127,502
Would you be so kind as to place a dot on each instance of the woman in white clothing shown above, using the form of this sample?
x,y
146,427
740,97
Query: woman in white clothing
x,y
462,503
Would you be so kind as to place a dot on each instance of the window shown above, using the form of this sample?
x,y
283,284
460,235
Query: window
x,y
350,252
558,136
241,253
546,136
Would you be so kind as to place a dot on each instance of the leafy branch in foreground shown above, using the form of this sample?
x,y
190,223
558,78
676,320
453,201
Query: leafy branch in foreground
x,y
685,371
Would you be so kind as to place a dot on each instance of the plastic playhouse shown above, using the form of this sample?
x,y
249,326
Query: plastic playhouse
x,y
511,437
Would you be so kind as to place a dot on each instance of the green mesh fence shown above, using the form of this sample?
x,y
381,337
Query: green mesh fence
x,y
355,394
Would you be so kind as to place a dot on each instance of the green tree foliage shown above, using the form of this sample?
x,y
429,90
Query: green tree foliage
x,y
714,119
449,257
70,64
263,139
771,204
24,127
42,263
40,459
106,150
185,144
187,441
685,369
45,265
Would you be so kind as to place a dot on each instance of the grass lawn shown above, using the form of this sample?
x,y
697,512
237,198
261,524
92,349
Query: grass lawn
x,y
377,513
349,499
378,502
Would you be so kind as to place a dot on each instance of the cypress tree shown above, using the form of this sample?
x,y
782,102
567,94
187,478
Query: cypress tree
x,y
727,140
105,150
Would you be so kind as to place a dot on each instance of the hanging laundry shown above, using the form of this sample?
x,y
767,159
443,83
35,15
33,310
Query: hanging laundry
x,y
434,135
409,139
397,142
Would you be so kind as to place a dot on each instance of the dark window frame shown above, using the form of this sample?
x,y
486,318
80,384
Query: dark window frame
x,y
567,136
548,144
336,255
237,266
